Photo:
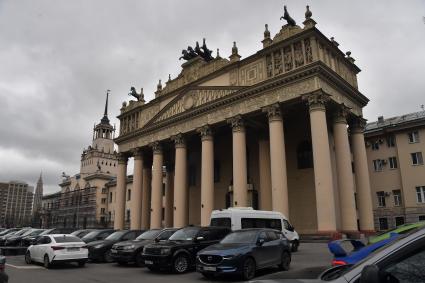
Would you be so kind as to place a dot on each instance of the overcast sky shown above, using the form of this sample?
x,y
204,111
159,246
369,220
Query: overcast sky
x,y
57,58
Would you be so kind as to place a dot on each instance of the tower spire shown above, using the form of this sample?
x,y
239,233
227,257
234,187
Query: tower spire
x,y
105,119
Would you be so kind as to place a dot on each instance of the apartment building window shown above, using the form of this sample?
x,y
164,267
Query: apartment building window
x,y
421,217
128,215
110,197
383,223
399,220
103,190
375,145
102,210
103,200
128,195
413,137
393,162
397,197
420,194
381,198
163,189
391,141
378,165
417,158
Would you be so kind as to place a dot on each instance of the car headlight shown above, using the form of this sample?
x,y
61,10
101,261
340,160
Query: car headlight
x,y
165,251
98,246
228,256
130,247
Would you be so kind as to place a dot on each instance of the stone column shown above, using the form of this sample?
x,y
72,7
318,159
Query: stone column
x,y
207,174
325,203
265,175
120,192
136,192
278,160
180,183
344,169
169,198
240,186
156,193
146,196
364,195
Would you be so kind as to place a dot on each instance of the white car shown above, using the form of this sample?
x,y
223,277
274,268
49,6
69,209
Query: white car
x,y
57,248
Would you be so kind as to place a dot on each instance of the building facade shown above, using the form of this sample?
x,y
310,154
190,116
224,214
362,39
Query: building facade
x,y
278,130
49,212
37,206
395,148
16,202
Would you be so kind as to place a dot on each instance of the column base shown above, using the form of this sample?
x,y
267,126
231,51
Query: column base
x,y
368,232
352,234
333,235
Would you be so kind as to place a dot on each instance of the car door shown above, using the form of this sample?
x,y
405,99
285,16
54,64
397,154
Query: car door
x,y
35,249
129,236
260,251
274,248
41,248
287,230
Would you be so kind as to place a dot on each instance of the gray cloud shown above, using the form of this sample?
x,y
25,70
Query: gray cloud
x,y
57,58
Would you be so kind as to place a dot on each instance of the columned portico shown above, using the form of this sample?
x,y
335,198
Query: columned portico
x,y
326,220
137,191
207,174
278,160
364,197
180,183
120,192
344,169
156,193
240,189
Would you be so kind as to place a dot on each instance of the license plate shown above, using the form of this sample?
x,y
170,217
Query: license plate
x,y
114,251
73,249
210,268
148,262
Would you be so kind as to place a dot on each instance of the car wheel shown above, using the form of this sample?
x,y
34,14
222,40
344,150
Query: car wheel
x,y
28,259
46,262
285,261
248,271
181,263
81,263
107,257
208,275
294,246
139,260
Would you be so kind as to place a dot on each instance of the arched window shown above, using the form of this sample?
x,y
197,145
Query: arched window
x,y
304,155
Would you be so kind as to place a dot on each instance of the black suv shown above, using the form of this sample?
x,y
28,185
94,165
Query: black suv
x,y
97,235
131,251
179,252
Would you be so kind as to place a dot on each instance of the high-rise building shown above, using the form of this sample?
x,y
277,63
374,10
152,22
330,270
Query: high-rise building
x,y
16,200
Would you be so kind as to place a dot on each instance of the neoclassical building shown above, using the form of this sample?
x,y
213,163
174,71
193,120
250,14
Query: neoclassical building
x,y
279,130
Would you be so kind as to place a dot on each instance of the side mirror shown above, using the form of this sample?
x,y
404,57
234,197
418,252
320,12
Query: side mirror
x,y
156,240
291,228
198,239
260,242
370,274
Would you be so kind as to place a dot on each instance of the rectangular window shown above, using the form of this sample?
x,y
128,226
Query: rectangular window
x,y
104,190
375,145
103,200
420,194
261,223
381,198
128,195
413,137
110,197
163,189
421,217
399,220
378,165
128,215
417,158
391,141
383,223
397,197
102,210
393,162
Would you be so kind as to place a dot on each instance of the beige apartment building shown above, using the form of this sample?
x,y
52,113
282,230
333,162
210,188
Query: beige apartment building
x,y
395,148
16,201
277,130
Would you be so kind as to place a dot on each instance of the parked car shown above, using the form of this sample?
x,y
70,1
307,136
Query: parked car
x,y
8,231
82,233
179,252
237,218
97,235
243,252
359,250
131,251
402,229
4,278
15,240
402,260
30,240
55,248
16,233
101,250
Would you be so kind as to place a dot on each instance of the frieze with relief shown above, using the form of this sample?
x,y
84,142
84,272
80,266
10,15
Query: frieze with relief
x,y
340,98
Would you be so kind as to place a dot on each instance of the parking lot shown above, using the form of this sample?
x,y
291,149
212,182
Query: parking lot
x,y
308,262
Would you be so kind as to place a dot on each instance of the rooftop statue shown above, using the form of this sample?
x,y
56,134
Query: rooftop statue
x,y
139,97
202,52
288,18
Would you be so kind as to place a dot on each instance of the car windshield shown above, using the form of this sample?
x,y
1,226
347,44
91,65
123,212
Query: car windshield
x,y
242,237
5,232
185,234
21,232
91,235
76,232
29,232
67,239
35,232
148,235
46,232
116,235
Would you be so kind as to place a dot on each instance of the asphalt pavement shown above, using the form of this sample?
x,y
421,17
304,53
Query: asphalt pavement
x,y
308,262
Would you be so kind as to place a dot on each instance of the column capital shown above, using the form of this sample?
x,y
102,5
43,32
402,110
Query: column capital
x,y
156,147
137,153
122,158
205,132
317,100
237,123
179,140
357,125
274,113
341,114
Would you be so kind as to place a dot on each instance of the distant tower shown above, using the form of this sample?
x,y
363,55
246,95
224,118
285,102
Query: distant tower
x,y
100,156
38,195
